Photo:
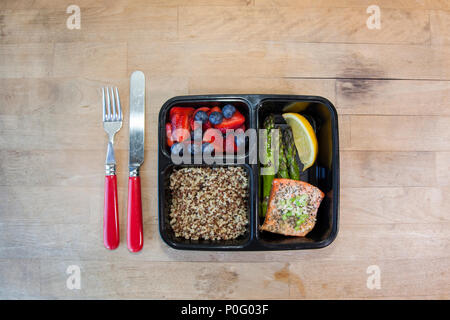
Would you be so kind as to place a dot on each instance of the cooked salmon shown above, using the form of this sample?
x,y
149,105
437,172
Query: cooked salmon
x,y
292,207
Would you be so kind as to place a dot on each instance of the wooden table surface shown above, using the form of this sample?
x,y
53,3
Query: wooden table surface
x,y
390,86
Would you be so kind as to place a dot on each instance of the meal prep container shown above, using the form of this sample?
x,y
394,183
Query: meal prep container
x,y
324,174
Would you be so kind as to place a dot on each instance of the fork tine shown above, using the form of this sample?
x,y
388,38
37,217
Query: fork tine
x,y
108,102
104,104
113,100
119,109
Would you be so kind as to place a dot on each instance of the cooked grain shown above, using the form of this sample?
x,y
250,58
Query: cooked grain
x,y
209,203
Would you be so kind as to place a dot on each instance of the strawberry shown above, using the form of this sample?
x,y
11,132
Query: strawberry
x,y
180,120
214,137
207,125
181,110
236,121
230,145
215,109
233,142
169,134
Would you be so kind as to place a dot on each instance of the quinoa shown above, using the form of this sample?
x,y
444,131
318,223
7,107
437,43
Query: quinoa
x,y
209,203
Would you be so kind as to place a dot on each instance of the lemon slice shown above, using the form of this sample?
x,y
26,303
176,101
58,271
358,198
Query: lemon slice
x,y
304,137
296,107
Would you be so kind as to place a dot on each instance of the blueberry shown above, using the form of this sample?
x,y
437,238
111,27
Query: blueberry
x,y
228,111
207,148
177,149
201,116
195,148
216,117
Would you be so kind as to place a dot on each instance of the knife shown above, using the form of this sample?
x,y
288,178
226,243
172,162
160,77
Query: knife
x,y
135,238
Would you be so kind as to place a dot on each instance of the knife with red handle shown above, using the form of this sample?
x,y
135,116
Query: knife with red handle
x,y
135,236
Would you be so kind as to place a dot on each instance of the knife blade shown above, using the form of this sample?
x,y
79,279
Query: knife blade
x,y
137,119
135,239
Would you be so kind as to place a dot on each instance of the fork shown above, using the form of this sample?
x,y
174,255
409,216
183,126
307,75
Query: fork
x,y
112,122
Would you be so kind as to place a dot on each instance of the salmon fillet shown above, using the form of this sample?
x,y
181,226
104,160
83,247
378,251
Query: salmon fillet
x,y
292,208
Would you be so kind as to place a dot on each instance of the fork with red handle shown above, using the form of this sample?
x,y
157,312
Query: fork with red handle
x,y
112,122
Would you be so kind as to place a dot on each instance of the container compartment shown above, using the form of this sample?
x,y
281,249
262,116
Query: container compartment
x,y
323,174
167,232
197,102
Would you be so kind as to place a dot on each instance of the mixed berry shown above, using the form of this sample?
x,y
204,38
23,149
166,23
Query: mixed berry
x,y
204,130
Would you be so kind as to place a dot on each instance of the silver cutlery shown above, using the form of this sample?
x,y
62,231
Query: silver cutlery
x,y
135,238
112,122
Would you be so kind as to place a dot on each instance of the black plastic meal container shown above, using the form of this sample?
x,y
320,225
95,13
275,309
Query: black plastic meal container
x,y
324,174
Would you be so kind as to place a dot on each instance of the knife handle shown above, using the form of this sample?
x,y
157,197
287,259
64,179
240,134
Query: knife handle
x,y
135,238
111,214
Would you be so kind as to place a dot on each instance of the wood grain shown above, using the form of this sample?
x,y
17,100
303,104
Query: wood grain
x,y
390,87
394,97
33,60
384,169
440,25
146,280
62,5
301,24
399,4
290,59
355,242
99,24
89,59
20,278
394,205
400,133
443,168
399,278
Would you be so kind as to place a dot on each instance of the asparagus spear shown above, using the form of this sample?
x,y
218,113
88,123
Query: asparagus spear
x,y
291,154
282,162
269,124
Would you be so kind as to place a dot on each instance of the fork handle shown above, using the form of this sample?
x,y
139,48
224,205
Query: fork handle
x,y
135,238
111,214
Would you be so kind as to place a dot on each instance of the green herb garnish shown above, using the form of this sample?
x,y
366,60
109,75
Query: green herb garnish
x,y
302,219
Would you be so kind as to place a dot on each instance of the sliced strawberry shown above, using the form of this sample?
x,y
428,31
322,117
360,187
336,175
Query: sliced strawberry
x,y
214,137
180,119
169,137
180,127
181,110
234,122
207,125
211,135
230,145
215,109
233,141
193,125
